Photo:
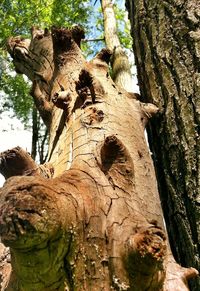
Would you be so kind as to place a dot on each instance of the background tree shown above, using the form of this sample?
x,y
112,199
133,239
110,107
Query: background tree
x,y
166,45
121,70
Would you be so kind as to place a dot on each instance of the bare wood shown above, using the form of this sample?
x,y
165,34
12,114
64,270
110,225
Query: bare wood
x,y
86,228
18,162
34,58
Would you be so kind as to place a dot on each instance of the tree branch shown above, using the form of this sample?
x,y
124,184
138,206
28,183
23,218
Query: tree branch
x,y
17,162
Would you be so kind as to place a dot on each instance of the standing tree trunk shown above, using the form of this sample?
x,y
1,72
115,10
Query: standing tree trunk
x,y
97,224
167,51
35,132
121,71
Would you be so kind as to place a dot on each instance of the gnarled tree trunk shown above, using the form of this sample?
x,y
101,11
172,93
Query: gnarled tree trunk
x,y
167,50
97,223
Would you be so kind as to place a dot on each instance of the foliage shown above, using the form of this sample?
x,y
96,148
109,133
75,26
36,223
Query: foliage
x,y
123,25
17,17
17,95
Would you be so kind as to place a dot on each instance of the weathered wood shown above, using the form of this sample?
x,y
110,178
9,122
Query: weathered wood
x,y
17,162
88,227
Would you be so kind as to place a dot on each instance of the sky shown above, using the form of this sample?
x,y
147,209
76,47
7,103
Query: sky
x,y
12,134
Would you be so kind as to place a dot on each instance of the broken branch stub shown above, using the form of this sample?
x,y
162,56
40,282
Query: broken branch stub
x,y
18,162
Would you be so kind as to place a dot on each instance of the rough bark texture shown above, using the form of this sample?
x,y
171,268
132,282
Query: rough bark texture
x,y
167,52
97,224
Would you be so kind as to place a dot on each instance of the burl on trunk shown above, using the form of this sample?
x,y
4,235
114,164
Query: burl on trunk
x,y
90,219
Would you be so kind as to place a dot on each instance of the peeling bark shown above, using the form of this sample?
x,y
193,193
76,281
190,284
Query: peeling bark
x,y
99,217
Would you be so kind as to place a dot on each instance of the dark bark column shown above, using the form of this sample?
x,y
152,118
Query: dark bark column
x,y
167,52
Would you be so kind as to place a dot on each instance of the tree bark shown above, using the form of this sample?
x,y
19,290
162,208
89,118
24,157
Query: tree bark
x,y
167,52
97,224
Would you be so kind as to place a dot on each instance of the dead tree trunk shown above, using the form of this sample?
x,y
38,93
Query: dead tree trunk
x,y
167,50
97,224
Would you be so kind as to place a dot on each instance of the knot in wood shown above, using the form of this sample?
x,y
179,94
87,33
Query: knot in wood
x,y
112,148
94,116
104,55
62,99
